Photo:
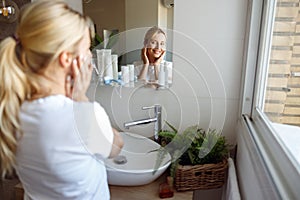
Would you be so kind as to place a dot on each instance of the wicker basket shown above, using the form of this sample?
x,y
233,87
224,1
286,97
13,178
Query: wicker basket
x,y
197,177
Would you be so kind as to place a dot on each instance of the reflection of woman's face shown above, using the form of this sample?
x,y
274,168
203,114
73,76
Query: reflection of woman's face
x,y
157,45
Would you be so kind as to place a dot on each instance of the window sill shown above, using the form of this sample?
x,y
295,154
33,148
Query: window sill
x,y
290,137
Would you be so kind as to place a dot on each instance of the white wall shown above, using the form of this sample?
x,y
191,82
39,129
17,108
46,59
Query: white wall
x,y
208,50
75,4
216,32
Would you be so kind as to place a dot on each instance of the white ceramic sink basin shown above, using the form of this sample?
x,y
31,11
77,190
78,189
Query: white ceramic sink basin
x,y
135,165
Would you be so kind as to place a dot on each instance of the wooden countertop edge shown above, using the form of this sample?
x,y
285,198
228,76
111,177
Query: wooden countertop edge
x,y
149,191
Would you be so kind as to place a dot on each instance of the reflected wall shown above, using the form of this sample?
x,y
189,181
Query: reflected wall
x,y
123,15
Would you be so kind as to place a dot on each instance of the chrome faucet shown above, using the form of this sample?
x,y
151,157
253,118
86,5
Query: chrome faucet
x,y
156,119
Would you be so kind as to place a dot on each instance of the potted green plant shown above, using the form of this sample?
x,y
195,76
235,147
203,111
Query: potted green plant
x,y
196,154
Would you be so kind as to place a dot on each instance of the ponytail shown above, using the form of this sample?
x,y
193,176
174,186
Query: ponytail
x,y
42,36
14,88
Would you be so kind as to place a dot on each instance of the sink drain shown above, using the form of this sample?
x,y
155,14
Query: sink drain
x,y
120,160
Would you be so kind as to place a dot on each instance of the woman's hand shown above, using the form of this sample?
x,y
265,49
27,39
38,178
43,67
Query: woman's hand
x,y
144,70
118,144
78,83
144,56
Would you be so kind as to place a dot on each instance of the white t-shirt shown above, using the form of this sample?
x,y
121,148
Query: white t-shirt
x,y
60,153
138,66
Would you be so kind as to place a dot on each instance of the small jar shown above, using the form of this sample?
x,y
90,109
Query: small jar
x,y
166,189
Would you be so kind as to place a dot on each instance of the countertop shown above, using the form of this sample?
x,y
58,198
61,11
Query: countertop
x,y
145,192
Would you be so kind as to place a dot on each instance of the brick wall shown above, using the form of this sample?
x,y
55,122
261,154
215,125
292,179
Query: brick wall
x,y
282,101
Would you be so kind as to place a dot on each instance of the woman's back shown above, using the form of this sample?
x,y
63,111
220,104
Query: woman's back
x,y
50,132
53,153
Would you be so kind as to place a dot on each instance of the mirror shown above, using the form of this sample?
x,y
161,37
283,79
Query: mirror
x,y
121,26
124,15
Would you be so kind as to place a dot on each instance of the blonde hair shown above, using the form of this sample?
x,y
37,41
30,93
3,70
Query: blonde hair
x,y
151,33
45,29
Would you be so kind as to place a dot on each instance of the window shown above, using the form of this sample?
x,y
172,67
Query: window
x,y
271,101
282,95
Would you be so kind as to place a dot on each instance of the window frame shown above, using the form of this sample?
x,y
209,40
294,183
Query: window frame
x,y
281,165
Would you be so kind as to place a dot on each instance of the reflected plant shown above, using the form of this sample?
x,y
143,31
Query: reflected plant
x,y
96,41
110,38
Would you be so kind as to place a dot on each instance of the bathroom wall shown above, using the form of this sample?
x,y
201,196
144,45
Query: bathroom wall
x,y
216,31
108,15
143,13
207,51
76,5
128,14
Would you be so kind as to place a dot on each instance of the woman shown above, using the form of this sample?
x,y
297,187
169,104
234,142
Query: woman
x,y
152,54
50,133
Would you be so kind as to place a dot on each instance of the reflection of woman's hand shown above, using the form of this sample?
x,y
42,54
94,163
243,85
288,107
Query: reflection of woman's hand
x,y
144,56
81,74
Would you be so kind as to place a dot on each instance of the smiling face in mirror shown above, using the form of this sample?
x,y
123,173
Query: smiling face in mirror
x,y
153,55
156,45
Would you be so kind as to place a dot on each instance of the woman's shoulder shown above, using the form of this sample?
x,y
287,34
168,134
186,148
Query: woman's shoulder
x,y
140,62
48,101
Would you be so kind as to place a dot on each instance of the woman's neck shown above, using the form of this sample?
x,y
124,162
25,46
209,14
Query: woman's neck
x,y
51,82
152,60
